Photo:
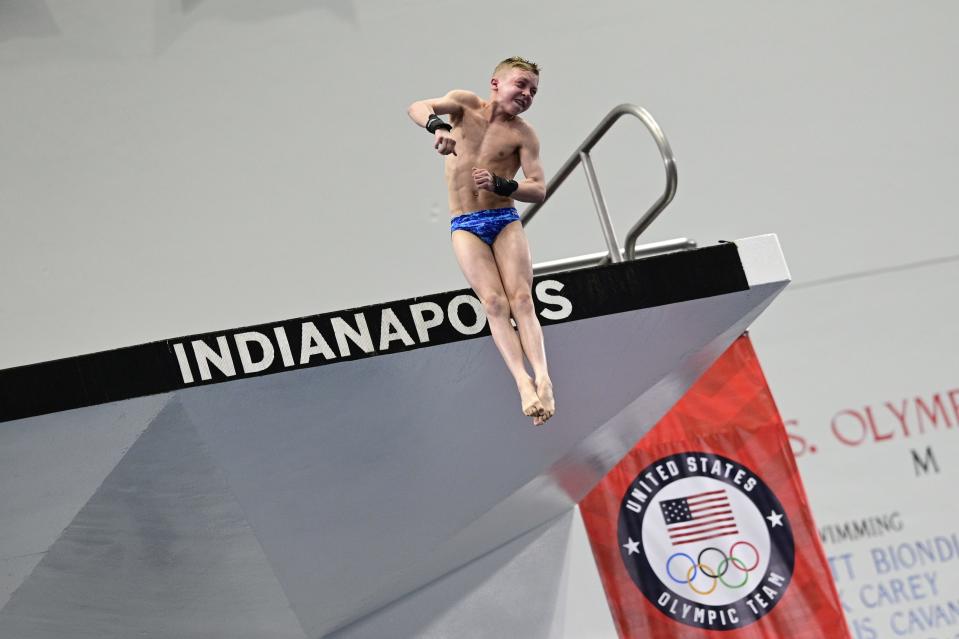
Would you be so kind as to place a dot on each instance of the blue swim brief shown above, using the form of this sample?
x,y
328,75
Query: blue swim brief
x,y
485,224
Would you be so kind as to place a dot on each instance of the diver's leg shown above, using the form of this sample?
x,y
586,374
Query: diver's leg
x,y
476,261
513,261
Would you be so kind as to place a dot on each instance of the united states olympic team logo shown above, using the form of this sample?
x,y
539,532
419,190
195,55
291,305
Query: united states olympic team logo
x,y
706,541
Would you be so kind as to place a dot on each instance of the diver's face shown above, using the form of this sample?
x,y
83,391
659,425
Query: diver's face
x,y
515,90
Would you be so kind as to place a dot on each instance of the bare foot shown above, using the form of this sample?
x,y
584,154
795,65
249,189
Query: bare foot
x,y
544,390
532,406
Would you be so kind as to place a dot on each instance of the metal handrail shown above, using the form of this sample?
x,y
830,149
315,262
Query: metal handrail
x,y
595,259
581,156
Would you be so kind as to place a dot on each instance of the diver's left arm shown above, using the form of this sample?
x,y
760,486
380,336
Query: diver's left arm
x,y
533,186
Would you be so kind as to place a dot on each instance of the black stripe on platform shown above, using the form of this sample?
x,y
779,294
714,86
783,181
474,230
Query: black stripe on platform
x,y
154,368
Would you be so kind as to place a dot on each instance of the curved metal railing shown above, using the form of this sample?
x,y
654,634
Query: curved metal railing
x,y
581,156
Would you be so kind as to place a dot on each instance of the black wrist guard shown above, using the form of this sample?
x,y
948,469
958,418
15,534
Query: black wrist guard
x,y
504,187
434,122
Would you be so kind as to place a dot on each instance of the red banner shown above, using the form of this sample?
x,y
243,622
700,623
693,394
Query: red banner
x,y
704,530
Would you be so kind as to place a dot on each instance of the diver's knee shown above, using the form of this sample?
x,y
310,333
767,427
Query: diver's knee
x,y
496,305
521,303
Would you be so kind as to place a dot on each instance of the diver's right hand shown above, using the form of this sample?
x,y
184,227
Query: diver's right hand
x,y
444,142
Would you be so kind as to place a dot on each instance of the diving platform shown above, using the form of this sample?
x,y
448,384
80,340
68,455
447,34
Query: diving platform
x,y
291,478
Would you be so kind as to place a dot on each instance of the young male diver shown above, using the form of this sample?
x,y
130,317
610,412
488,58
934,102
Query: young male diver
x,y
487,144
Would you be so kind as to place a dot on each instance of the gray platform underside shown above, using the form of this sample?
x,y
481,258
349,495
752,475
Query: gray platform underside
x,y
300,503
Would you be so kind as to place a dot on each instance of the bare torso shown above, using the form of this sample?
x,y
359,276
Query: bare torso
x,y
482,144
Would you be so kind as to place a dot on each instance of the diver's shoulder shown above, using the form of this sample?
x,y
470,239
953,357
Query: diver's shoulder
x,y
465,98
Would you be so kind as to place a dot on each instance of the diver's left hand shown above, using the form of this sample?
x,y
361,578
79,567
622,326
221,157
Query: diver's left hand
x,y
483,179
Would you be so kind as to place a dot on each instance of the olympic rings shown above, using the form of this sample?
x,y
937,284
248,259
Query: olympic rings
x,y
703,592
756,552
697,566
741,566
681,554
699,560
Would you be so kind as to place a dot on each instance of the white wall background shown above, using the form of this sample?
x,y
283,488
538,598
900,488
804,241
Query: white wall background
x,y
174,166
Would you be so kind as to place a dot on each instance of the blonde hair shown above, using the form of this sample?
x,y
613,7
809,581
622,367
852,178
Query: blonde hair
x,y
517,62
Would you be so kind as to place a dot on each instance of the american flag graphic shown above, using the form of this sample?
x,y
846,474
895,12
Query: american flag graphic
x,y
698,517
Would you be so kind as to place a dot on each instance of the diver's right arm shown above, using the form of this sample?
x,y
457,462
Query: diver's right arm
x,y
422,111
